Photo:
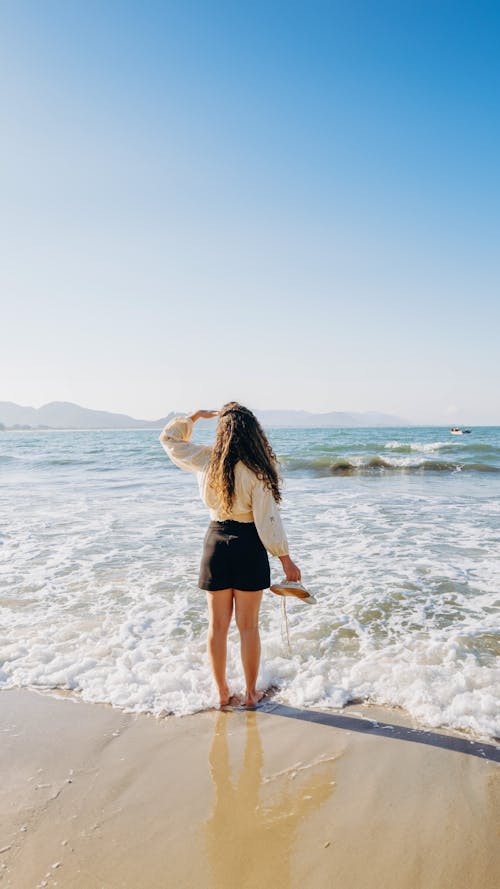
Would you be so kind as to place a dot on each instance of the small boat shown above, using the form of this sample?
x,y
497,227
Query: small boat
x,y
455,430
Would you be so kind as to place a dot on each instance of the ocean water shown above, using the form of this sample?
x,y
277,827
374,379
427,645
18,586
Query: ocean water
x,y
397,533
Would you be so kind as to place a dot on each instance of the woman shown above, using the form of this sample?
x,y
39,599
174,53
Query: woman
x,y
239,482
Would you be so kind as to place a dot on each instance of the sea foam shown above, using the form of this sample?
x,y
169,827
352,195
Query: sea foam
x,y
98,572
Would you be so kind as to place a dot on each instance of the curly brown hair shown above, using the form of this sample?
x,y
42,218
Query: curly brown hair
x,y
240,437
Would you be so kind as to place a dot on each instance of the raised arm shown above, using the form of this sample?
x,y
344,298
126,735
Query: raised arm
x,y
176,441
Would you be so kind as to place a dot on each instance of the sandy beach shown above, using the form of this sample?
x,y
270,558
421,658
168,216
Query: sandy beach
x,y
249,344
95,798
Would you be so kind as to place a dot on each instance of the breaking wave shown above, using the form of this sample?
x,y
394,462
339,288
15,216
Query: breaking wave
x,y
425,447
429,447
360,465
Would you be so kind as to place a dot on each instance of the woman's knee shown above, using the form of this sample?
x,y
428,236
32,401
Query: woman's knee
x,y
219,625
247,622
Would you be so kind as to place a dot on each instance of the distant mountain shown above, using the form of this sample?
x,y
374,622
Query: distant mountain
x,y
333,418
66,415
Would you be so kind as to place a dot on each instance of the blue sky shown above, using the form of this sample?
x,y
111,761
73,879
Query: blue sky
x,y
290,204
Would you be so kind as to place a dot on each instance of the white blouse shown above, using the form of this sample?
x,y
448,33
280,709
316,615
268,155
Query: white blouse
x,y
252,501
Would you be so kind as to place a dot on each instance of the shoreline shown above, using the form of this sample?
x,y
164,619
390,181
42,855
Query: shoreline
x,y
96,797
387,715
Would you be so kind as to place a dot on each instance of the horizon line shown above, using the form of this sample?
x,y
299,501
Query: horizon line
x,y
318,413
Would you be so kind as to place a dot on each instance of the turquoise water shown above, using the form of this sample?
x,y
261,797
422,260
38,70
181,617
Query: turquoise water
x,y
397,532
370,451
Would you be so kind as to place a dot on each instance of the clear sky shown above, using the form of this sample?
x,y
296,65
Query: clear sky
x,y
291,204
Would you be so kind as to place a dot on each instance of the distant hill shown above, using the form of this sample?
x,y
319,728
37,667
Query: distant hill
x,y
66,415
333,418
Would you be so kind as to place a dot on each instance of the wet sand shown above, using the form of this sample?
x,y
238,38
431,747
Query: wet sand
x,y
94,798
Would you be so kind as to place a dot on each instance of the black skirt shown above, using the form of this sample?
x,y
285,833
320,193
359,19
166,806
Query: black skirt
x,y
233,557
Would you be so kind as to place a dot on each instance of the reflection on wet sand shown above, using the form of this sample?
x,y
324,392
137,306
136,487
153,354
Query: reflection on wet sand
x,y
254,824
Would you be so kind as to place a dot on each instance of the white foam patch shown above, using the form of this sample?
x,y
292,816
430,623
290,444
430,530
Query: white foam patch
x,y
420,446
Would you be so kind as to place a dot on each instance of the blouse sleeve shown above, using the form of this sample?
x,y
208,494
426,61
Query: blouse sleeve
x,y
175,439
267,518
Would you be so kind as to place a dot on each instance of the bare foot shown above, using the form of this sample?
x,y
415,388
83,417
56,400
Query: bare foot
x,y
224,696
252,698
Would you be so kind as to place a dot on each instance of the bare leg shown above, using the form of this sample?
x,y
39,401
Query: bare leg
x,y
247,606
220,611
